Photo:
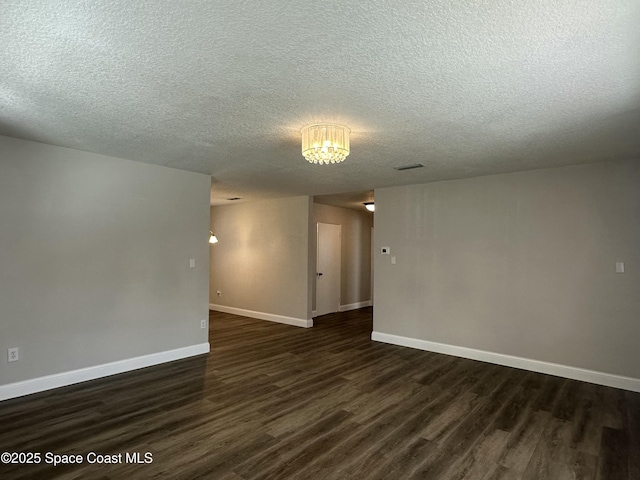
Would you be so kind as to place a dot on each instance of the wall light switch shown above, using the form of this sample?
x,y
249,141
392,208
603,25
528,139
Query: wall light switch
x,y
192,262
13,354
393,260
385,250
619,267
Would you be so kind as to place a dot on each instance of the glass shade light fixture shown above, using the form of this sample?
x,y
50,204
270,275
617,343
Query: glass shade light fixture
x,y
325,143
370,206
212,238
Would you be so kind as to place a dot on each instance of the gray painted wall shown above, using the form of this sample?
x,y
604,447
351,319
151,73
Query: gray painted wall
x,y
261,262
521,264
94,259
356,250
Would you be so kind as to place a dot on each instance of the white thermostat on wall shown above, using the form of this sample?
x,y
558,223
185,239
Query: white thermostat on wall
x,y
385,250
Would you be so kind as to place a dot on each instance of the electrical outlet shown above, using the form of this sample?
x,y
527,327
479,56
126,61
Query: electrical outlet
x,y
203,323
192,263
13,354
219,292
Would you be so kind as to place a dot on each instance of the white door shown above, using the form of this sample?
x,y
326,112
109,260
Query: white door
x,y
328,268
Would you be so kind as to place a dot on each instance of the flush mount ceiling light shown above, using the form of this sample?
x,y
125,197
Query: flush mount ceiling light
x,y
325,143
370,206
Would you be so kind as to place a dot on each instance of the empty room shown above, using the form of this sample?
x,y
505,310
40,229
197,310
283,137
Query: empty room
x,y
283,240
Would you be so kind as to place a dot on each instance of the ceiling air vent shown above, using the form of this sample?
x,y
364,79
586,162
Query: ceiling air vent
x,y
409,167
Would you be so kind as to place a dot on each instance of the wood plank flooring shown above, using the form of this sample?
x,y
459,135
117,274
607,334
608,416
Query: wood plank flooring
x,y
273,401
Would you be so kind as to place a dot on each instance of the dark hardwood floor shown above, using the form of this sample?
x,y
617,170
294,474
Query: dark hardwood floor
x,y
278,402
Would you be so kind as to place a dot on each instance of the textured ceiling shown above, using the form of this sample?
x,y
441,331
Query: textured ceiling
x,y
353,200
223,87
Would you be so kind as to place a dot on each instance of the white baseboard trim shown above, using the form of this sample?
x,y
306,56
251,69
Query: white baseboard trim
x,y
591,376
297,322
314,313
40,384
354,306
